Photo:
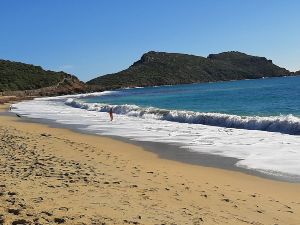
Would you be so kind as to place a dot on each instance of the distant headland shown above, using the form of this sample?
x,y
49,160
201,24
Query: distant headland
x,y
162,68
153,69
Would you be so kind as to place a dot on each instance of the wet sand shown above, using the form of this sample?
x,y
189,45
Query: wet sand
x,y
170,152
57,176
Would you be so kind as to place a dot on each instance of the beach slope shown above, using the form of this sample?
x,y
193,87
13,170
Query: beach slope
x,y
57,176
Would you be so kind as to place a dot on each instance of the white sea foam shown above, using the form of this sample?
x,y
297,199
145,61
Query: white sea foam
x,y
269,152
77,96
285,124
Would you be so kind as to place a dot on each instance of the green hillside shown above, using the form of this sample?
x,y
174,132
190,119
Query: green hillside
x,y
16,76
161,68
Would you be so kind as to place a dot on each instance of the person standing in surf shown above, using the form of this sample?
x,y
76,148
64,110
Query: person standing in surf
x,y
111,114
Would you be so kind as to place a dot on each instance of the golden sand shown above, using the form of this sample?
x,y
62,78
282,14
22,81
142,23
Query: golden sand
x,y
57,176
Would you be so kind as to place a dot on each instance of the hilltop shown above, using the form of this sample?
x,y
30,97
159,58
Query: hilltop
x,y
162,68
153,69
18,78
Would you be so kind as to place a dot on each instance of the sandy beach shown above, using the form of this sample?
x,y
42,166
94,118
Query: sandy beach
x,y
57,176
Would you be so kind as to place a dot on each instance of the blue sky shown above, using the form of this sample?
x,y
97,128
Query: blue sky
x,y
95,37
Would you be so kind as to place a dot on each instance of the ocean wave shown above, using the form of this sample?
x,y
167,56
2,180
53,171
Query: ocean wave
x,y
63,97
288,124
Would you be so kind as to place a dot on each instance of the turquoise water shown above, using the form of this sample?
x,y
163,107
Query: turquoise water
x,y
263,97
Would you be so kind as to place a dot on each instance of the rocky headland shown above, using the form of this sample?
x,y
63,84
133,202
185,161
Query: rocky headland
x,y
162,68
20,80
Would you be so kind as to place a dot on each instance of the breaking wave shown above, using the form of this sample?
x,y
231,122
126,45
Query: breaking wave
x,y
288,124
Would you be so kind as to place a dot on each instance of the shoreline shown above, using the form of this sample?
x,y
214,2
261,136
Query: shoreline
x,y
173,152
178,154
79,178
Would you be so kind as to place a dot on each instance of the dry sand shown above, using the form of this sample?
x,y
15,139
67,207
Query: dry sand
x,y
57,176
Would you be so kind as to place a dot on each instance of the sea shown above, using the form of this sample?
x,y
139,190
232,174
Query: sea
x,y
257,122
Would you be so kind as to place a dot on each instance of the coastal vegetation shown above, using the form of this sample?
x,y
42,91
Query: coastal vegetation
x,y
153,69
17,76
161,68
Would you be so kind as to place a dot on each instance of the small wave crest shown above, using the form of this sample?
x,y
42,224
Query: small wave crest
x,y
288,124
